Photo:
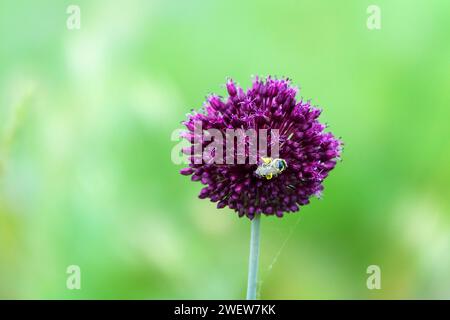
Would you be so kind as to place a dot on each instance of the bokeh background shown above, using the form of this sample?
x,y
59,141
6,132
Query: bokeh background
x,y
86,119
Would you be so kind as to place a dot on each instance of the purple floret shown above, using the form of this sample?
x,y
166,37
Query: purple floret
x,y
310,153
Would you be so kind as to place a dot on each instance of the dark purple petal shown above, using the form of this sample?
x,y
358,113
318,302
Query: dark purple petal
x,y
186,171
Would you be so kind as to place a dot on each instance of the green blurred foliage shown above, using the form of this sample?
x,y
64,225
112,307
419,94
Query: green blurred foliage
x,y
86,118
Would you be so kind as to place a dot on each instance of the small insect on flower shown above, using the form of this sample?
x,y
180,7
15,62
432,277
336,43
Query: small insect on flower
x,y
270,167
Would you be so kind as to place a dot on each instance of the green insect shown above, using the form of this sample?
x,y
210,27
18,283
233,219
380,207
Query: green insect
x,y
270,168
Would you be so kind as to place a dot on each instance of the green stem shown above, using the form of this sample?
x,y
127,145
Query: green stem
x,y
253,259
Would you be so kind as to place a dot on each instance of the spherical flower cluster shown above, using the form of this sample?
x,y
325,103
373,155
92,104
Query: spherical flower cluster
x,y
309,152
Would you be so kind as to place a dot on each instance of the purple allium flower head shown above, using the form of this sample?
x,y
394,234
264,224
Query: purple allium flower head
x,y
309,152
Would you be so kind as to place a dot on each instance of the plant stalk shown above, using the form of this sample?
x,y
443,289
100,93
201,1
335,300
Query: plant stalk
x,y
253,259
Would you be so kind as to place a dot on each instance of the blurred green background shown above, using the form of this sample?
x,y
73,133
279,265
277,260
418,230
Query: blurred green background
x,y
86,176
